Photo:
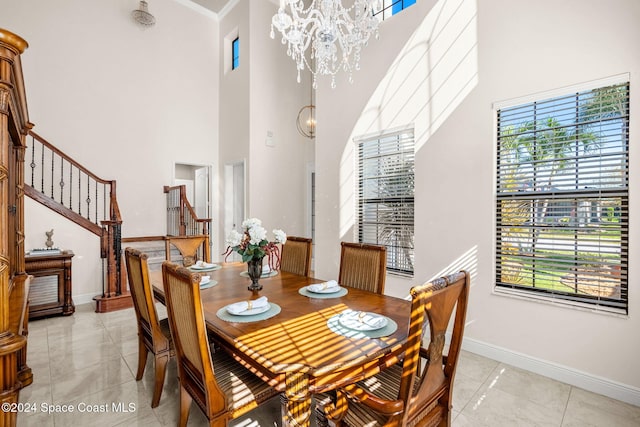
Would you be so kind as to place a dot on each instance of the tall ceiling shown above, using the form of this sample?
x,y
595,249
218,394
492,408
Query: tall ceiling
x,y
213,5
217,6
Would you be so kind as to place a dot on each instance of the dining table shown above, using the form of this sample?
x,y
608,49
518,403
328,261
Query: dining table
x,y
305,342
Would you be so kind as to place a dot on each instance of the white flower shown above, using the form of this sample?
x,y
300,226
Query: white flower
x,y
257,234
281,236
233,238
253,243
248,224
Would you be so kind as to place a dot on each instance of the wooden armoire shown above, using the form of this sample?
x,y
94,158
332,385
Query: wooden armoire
x,y
14,125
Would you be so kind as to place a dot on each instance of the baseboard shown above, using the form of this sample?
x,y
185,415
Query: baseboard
x,y
593,383
84,299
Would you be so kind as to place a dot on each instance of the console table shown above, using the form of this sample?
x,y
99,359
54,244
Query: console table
x,y
50,289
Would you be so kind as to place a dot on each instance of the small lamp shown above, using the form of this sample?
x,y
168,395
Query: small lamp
x,y
306,121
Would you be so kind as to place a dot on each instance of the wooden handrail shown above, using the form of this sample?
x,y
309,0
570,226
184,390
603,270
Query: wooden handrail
x,y
67,213
68,158
67,179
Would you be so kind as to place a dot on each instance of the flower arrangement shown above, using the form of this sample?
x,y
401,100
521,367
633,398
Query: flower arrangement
x,y
252,244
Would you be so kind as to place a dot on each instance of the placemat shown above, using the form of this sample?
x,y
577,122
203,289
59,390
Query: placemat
x,y
334,325
211,283
228,317
264,276
307,293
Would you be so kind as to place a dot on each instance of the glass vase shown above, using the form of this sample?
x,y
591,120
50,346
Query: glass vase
x,y
255,271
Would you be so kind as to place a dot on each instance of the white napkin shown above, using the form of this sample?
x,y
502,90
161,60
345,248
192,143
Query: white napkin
x,y
362,321
202,264
239,307
330,286
373,320
204,279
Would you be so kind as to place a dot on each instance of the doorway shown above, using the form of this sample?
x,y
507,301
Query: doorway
x,y
196,179
234,199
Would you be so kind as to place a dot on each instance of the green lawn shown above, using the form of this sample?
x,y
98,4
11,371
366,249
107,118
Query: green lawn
x,y
552,266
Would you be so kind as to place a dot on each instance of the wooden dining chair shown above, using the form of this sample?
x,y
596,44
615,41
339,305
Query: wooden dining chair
x,y
222,388
407,394
188,247
153,334
296,256
363,266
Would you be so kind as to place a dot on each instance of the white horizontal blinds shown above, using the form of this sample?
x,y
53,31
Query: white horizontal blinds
x,y
386,196
562,196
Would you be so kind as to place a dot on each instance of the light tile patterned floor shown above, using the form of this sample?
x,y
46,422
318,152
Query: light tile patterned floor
x,y
88,361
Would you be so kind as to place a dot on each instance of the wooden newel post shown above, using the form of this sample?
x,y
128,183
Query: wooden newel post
x,y
115,296
14,124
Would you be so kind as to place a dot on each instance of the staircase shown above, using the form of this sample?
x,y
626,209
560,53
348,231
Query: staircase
x,y
58,182
155,251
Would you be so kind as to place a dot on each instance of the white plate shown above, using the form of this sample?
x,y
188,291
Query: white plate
x,y
253,311
362,320
208,284
205,266
331,290
205,282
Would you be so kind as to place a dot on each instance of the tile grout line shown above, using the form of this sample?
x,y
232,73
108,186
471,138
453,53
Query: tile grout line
x,y
566,406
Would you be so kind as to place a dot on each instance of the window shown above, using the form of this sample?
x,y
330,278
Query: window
x,y
235,53
391,7
562,210
386,196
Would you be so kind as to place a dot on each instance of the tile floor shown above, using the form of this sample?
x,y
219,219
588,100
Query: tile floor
x,y
88,361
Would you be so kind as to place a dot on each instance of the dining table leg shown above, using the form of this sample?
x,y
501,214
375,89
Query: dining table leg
x,y
298,400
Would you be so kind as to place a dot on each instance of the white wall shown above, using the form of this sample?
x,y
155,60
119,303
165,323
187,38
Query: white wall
x,y
125,101
234,100
258,98
452,60
277,173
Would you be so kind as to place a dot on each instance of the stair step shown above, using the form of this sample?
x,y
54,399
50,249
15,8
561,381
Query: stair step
x,y
155,251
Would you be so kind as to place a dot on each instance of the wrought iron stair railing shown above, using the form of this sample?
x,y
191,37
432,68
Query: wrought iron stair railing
x,y
182,219
58,182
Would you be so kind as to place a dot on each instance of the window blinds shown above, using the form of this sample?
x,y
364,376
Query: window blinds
x,y
385,191
562,210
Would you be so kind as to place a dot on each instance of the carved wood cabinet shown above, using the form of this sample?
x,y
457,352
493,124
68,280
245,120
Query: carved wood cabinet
x,y
14,125
50,289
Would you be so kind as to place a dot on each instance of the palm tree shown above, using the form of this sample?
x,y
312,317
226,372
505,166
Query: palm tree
x,y
606,102
400,193
543,149
541,157
394,206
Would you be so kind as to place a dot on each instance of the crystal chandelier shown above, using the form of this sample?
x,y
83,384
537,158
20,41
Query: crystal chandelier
x,y
336,34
